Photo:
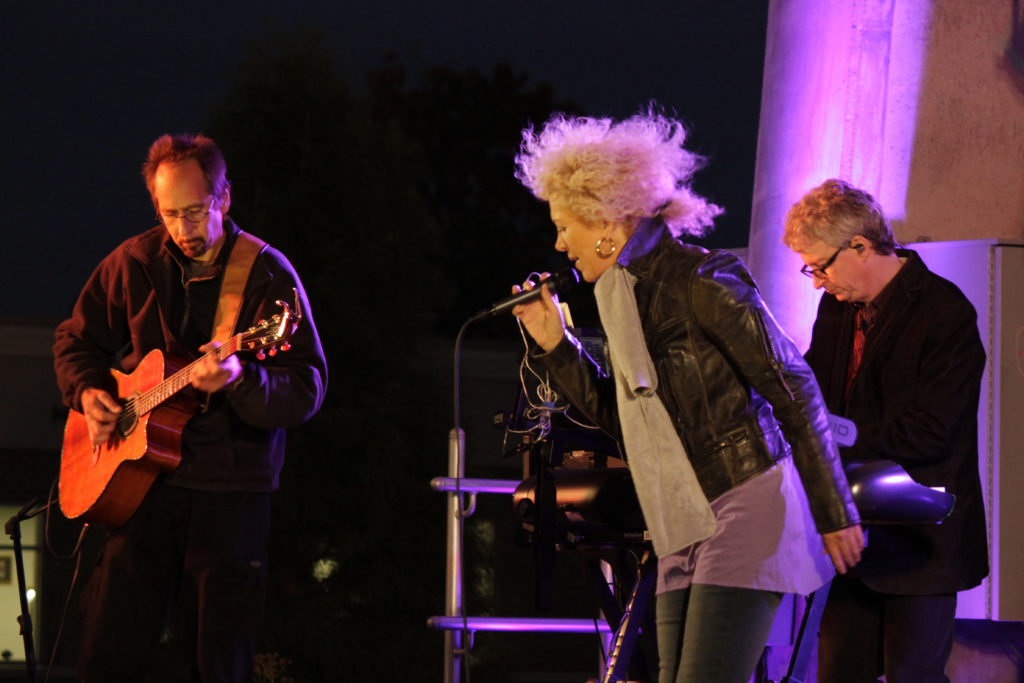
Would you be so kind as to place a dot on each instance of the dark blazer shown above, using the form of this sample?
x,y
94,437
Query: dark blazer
x,y
914,401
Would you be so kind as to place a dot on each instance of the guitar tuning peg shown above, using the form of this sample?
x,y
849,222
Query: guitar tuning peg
x,y
260,355
286,346
273,351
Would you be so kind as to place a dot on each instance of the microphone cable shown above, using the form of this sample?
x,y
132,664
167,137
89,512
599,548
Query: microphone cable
x,y
76,553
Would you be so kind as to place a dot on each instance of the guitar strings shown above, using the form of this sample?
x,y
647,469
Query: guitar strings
x,y
156,395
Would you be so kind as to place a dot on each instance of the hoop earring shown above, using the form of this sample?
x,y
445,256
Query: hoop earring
x,y
610,244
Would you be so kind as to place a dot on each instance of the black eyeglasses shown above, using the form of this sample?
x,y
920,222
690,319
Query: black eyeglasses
x,y
820,271
194,215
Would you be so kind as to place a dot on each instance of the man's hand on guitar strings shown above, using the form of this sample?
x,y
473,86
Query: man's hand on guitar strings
x,y
209,375
101,412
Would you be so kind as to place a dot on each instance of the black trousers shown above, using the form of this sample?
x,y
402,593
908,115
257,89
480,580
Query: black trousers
x,y
208,550
865,633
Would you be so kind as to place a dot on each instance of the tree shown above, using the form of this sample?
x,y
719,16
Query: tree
x,y
317,176
464,129
400,212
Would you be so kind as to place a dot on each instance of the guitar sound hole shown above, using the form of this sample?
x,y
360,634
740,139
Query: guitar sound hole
x,y
128,420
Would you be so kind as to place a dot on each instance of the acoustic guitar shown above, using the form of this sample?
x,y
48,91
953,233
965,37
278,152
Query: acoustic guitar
x,y
106,484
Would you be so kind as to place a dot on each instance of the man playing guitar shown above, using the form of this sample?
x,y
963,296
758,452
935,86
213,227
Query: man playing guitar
x,y
180,466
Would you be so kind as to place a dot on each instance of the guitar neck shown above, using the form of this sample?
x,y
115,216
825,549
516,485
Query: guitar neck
x,y
150,399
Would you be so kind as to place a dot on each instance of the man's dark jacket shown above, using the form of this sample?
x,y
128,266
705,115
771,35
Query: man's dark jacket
x,y
139,299
914,401
733,382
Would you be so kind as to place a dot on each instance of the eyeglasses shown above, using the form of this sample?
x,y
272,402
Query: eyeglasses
x,y
820,271
193,215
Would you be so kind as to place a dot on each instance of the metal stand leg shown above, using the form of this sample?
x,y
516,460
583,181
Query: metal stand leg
x,y
13,529
617,666
454,648
806,636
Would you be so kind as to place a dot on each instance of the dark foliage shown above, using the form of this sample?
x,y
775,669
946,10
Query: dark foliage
x,y
314,174
400,212
463,129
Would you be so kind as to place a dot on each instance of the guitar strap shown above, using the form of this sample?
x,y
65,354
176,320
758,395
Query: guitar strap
x,y
236,274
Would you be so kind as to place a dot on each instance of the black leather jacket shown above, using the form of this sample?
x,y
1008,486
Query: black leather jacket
x,y
739,391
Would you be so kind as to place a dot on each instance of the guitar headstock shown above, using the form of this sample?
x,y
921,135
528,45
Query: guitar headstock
x,y
268,336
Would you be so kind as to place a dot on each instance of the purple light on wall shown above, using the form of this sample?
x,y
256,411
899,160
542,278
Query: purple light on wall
x,y
840,94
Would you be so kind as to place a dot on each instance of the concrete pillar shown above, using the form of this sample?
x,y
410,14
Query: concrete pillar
x,y
841,84
920,102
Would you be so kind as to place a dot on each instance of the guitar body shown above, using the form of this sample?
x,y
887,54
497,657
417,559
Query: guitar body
x,y
106,485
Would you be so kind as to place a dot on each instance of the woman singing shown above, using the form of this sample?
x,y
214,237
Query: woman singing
x,y
723,426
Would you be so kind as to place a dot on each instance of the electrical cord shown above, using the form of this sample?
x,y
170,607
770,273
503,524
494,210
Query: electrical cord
x,y
547,401
46,534
75,553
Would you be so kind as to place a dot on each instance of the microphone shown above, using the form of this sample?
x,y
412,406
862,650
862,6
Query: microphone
x,y
558,283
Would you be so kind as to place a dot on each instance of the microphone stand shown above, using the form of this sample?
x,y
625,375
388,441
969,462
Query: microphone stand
x,y
456,641
462,504
13,529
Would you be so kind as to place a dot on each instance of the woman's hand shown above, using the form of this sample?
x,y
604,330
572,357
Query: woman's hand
x,y
541,317
844,546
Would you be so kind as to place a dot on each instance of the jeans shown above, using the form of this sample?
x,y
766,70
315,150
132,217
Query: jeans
x,y
712,634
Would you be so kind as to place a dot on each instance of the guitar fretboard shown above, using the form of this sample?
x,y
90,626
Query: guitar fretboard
x,y
150,399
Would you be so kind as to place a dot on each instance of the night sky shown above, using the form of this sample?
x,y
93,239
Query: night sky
x,y
86,87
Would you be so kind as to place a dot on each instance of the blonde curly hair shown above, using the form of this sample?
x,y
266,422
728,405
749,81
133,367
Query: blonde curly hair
x,y
604,170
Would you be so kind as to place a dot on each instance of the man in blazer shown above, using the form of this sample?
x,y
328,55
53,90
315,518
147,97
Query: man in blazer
x,y
896,350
